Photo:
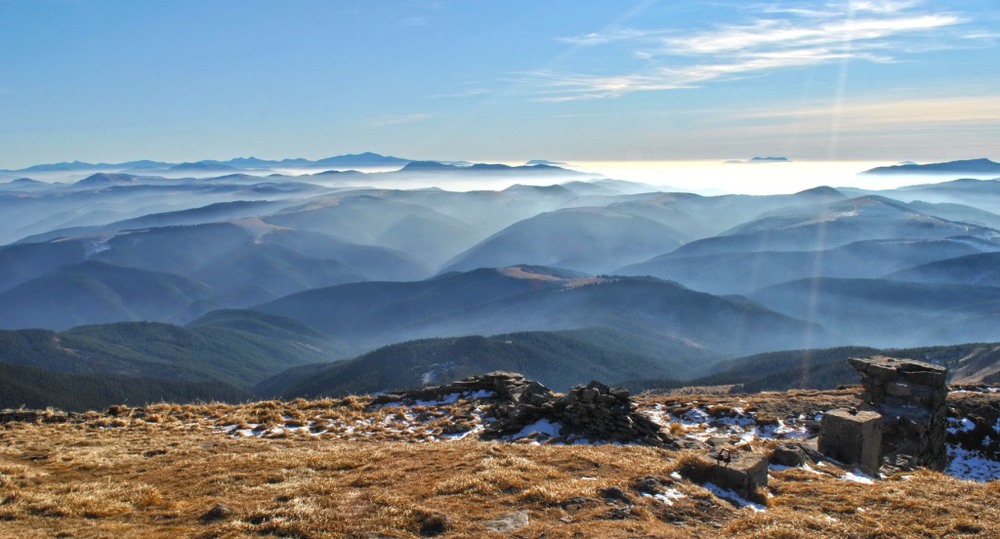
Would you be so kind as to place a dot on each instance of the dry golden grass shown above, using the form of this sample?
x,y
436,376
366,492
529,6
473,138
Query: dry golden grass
x,y
158,471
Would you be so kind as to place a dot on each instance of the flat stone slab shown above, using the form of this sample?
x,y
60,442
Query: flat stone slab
x,y
508,523
909,371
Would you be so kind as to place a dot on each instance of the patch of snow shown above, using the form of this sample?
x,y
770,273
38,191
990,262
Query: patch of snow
x,y
795,428
971,465
739,419
782,468
960,424
733,497
809,469
459,435
676,476
542,426
695,417
858,477
982,389
658,417
667,497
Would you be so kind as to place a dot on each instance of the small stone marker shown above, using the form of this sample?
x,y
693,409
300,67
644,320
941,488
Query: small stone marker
x,y
740,471
853,437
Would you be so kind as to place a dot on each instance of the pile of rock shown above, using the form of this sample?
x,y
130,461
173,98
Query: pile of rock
x,y
508,386
594,411
910,395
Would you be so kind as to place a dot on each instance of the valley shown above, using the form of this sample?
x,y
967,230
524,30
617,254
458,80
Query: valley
x,y
332,282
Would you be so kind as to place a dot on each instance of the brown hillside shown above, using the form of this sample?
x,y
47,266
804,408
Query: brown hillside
x,y
343,468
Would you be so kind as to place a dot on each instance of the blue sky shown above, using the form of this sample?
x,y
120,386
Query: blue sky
x,y
498,81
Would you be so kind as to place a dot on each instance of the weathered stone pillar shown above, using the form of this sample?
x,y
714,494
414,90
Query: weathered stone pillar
x,y
910,395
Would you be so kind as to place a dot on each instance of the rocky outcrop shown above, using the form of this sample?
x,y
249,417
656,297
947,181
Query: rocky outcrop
x,y
910,395
507,386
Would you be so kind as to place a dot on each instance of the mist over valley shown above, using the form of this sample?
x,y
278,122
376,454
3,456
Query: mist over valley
x,y
623,279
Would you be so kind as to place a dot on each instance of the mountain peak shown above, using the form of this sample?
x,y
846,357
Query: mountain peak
x,y
428,165
823,191
105,178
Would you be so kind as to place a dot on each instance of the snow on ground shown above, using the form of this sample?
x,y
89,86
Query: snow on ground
x,y
733,497
858,477
980,389
970,465
542,427
963,424
666,497
457,416
700,425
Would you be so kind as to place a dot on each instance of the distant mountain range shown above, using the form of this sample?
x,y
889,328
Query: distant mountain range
x,y
967,166
361,160
366,159
217,273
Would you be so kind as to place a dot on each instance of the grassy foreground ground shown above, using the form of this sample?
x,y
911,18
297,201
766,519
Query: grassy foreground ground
x,y
265,470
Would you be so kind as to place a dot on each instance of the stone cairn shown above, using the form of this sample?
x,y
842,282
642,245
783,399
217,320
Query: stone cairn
x,y
594,411
902,421
910,395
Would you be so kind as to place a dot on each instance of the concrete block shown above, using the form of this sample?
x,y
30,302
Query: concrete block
x,y
853,438
741,471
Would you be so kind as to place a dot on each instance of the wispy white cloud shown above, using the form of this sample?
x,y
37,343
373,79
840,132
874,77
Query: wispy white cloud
x,y
877,115
394,119
776,37
470,92
611,36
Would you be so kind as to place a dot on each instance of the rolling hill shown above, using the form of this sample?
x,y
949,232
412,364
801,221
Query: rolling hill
x,y
236,350
93,292
744,272
494,301
974,269
557,359
880,312
39,388
591,240
829,225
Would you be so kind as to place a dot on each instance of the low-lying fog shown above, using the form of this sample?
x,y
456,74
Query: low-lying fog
x,y
701,177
